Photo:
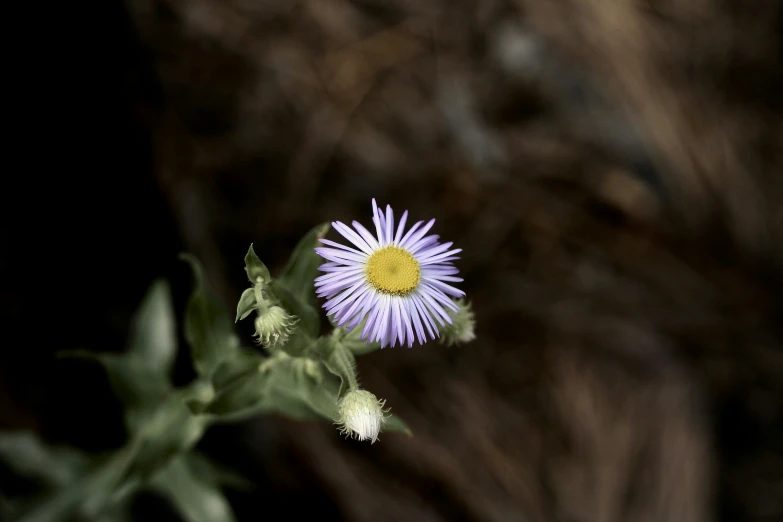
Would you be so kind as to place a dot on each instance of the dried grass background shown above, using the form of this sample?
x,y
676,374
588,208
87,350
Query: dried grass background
x,y
612,169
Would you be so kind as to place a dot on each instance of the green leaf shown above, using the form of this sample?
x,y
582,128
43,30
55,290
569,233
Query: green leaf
x,y
338,360
232,385
154,336
256,271
140,376
169,431
296,393
394,423
134,382
215,474
30,457
90,495
194,498
299,274
299,344
362,347
247,303
309,322
295,387
208,328
240,398
88,492
353,340
245,361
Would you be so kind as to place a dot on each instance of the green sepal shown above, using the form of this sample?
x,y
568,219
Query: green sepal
x,y
257,272
246,305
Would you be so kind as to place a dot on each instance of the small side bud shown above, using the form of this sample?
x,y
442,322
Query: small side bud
x,y
274,326
361,415
462,329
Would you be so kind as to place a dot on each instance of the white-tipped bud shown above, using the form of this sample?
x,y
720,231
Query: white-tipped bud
x,y
274,326
462,328
361,415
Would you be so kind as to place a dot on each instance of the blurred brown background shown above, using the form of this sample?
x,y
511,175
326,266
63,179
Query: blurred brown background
x,y
611,168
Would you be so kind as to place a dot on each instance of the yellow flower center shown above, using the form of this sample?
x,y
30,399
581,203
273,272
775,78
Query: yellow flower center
x,y
393,270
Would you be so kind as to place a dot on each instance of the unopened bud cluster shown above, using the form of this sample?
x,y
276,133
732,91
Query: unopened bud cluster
x,y
462,328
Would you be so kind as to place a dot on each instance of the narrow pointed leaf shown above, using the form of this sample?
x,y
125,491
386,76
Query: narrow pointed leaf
x,y
154,336
28,456
245,361
299,274
394,423
134,382
213,473
95,492
208,328
340,361
169,431
241,397
195,499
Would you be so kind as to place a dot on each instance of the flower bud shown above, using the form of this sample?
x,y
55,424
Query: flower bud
x,y
273,326
361,415
461,330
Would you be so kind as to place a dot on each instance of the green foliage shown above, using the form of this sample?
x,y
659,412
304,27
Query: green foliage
x,y
256,271
196,499
292,386
340,361
394,423
302,267
309,324
353,340
28,457
208,328
300,375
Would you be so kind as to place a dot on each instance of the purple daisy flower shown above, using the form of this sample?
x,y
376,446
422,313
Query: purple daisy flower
x,y
395,279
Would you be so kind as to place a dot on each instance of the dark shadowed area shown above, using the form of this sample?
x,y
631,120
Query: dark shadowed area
x,y
613,171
